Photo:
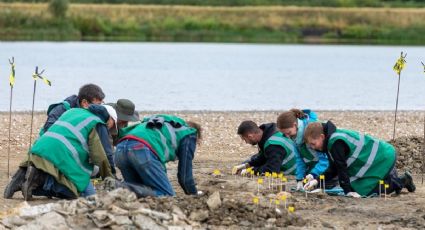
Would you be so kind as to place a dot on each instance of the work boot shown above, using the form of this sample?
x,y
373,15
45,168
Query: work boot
x,y
407,181
15,184
33,178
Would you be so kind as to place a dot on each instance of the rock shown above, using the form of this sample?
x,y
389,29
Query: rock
x,y
327,225
271,220
245,223
214,201
283,193
199,215
102,218
47,221
118,211
153,214
144,222
178,215
13,221
123,220
180,227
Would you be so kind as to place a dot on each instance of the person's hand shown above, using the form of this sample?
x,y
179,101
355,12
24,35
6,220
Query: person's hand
x,y
311,185
244,172
236,169
299,185
309,177
95,171
354,194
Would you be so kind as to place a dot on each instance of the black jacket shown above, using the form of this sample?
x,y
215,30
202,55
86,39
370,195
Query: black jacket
x,y
337,155
269,159
58,110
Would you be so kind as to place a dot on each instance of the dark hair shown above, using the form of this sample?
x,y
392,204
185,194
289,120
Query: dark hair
x,y
287,119
248,127
90,92
198,129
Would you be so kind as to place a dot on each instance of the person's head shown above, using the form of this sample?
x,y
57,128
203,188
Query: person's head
x,y
287,122
90,94
314,136
198,130
126,112
250,132
112,121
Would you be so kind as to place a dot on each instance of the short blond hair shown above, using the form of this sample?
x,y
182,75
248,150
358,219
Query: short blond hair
x,y
313,130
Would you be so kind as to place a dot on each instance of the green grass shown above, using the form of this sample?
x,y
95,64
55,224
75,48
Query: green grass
x,y
273,24
319,3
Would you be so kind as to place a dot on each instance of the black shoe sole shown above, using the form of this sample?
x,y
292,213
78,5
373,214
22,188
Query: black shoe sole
x,y
15,184
412,186
26,186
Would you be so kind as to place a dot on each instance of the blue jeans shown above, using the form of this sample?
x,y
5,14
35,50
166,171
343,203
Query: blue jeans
x,y
141,169
52,188
185,153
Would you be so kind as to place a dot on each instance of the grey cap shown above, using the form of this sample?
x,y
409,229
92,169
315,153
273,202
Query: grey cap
x,y
125,110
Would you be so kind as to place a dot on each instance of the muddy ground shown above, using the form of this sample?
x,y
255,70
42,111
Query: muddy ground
x,y
221,149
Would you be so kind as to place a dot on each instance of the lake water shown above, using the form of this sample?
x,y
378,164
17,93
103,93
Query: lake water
x,y
204,76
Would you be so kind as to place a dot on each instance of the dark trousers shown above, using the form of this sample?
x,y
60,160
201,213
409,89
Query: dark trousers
x,y
393,182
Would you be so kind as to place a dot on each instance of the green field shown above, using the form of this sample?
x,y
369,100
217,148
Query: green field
x,y
265,24
323,3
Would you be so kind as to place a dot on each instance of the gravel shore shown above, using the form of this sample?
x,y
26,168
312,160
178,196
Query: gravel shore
x,y
221,148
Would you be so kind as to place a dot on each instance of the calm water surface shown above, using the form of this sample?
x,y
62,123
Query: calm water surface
x,y
203,76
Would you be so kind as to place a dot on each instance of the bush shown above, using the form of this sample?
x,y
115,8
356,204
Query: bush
x,y
58,8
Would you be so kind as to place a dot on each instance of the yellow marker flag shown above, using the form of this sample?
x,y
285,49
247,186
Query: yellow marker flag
x,y
381,182
283,197
291,209
260,181
255,200
95,181
248,170
267,174
400,63
277,202
258,173
274,175
46,81
216,172
284,179
252,172
305,181
387,185
280,175
12,76
36,76
322,177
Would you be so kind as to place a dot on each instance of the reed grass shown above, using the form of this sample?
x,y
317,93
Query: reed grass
x,y
223,24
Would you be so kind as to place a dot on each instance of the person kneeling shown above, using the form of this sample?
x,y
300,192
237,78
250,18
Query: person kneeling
x,y
360,161
63,159
145,148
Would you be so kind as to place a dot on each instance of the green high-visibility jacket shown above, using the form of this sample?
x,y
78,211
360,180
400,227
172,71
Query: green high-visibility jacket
x,y
65,145
309,156
163,140
289,162
369,160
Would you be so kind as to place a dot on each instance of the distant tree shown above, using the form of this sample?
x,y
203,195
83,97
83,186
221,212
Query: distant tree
x,y
58,8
